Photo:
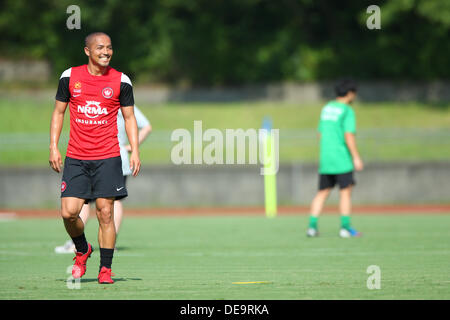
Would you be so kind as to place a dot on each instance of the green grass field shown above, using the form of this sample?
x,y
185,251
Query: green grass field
x,y
386,131
200,258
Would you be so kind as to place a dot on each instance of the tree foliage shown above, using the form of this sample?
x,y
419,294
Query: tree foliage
x,y
231,42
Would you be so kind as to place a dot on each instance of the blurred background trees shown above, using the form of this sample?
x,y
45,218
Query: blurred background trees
x,y
235,42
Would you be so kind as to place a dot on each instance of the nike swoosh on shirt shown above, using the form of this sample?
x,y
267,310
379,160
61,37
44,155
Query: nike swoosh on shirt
x,y
118,189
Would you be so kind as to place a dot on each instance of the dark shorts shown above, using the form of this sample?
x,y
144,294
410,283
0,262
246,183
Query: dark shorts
x,y
344,180
92,179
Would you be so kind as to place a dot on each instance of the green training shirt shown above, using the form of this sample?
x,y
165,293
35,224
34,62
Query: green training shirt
x,y
336,118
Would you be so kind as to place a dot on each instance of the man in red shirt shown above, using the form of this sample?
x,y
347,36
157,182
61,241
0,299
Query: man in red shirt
x,y
93,167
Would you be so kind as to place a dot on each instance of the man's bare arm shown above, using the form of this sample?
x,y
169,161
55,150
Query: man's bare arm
x,y
143,134
133,137
350,140
55,133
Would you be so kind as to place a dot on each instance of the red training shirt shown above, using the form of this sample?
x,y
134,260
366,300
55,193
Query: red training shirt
x,y
93,103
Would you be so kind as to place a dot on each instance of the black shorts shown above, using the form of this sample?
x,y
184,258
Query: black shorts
x,y
92,179
329,180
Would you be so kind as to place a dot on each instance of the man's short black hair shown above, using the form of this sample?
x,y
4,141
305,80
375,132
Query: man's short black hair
x,y
344,86
91,36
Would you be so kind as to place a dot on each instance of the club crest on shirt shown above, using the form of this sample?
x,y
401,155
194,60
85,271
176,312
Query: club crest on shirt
x,y
107,92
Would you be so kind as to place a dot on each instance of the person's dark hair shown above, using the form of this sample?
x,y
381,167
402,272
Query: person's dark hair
x,y
91,36
344,86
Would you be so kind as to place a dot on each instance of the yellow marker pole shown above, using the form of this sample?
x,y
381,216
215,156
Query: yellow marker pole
x,y
270,178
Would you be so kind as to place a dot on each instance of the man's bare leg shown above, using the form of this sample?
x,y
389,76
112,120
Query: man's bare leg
x,y
345,207
105,216
345,201
69,246
316,209
319,201
85,212
118,210
70,211
118,213
107,230
84,216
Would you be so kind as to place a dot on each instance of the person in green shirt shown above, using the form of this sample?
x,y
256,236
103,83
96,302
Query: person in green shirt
x,y
339,157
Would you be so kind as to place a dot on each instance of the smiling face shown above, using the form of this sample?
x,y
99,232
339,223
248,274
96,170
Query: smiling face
x,y
99,50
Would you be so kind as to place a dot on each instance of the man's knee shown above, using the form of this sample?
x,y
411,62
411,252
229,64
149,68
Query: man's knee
x,y
346,191
105,215
69,217
70,210
323,193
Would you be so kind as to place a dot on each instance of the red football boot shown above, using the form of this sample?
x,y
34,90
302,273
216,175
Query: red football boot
x,y
105,275
79,268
